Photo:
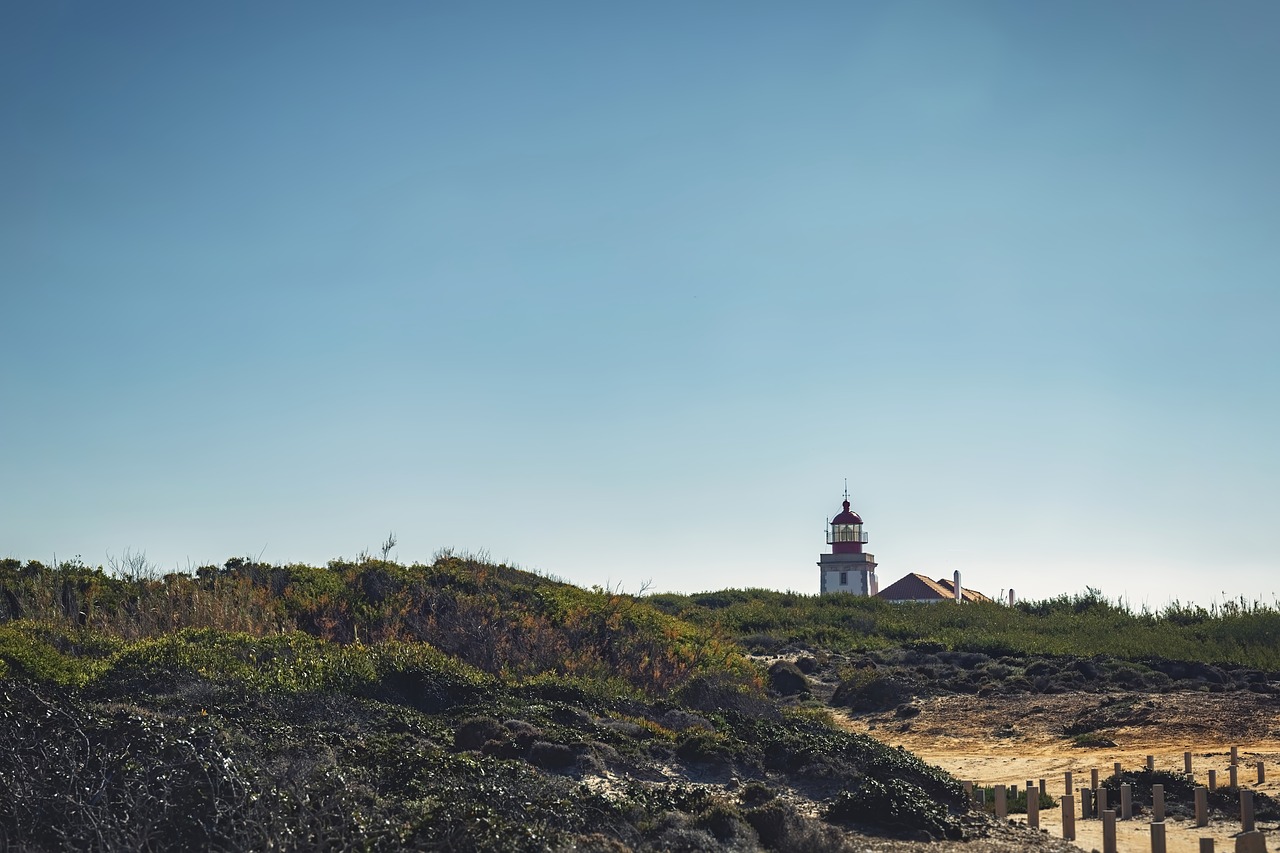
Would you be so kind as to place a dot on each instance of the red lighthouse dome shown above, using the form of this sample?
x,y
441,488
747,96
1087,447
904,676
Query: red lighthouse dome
x,y
844,532
847,517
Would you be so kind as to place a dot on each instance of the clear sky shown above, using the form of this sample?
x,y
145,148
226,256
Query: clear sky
x,y
623,292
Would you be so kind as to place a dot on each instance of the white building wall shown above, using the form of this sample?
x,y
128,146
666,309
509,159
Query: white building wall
x,y
857,582
859,571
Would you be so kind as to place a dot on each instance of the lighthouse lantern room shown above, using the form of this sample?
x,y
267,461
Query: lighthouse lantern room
x,y
847,568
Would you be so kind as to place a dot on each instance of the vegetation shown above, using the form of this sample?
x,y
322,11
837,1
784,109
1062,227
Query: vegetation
x,y
1238,633
367,705
498,619
1015,800
1180,797
469,706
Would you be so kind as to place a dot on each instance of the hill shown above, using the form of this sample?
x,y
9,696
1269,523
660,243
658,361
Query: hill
x,y
469,706
368,705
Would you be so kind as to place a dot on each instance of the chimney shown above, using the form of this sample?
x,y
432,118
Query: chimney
x,y
959,591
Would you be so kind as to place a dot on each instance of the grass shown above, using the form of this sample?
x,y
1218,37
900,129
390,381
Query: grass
x,y
1085,625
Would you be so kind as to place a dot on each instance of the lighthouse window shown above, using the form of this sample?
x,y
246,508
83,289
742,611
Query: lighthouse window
x,y
847,533
844,579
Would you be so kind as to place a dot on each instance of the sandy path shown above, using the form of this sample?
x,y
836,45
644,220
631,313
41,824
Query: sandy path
x,y
1011,740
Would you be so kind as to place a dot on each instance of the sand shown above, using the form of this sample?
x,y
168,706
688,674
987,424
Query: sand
x,y
1009,740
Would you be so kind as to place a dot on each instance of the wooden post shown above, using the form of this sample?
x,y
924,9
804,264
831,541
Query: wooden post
x,y
1126,801
1246,810
1213,780
1251,842
1234,775
1086,803
1262,772
1235,756
1157,803
968,789
1117,771
1093,778
1044,789
1206,845
1100,802
1202,806
1069,818
1186,763
1033,808
1151,763
1070,791
1157,838
1002,803
1109,832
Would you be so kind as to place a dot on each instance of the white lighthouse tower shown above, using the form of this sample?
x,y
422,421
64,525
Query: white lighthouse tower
x,y
847,568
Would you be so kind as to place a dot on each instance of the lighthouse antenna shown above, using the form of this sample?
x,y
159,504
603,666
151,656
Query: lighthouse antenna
x,y
846,488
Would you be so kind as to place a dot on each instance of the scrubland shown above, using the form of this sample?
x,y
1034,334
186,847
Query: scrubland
x,y
464,705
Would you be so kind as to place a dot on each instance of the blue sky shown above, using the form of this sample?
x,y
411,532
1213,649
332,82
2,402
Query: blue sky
x,y
624,292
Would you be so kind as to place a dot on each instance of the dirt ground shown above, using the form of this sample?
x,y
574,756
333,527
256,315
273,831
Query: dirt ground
x,y
1012,739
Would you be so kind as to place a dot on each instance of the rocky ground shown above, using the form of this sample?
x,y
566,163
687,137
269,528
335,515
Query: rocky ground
x,y
1007,720
1007,838
1122,725
437,756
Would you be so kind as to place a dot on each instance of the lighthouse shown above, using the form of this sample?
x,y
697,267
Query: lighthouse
x,y
847,568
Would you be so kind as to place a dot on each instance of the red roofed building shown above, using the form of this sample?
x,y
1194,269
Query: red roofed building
x,y
848,569
915,587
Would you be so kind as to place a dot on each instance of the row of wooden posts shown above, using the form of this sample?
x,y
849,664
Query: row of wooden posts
x,y
1093,803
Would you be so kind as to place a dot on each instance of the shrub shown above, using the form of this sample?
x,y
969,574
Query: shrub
x,y
1017,803
808,664
725,692
425,678
702,747
49,654
781,828
786,679
552,756
475,732
893,804
871,690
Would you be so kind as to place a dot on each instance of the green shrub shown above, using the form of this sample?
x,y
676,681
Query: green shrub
x,y
288,661
53,654
865,689
702,747
893,804
424,677
1015,803
726,692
